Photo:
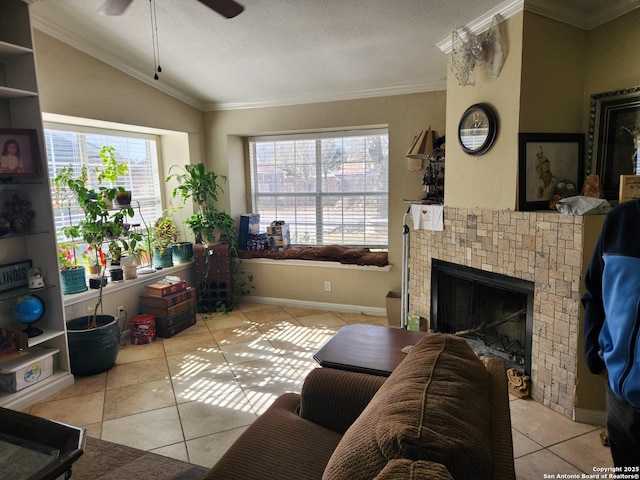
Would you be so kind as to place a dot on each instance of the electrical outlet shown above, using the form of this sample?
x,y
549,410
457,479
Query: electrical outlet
x,y
121,312
327,286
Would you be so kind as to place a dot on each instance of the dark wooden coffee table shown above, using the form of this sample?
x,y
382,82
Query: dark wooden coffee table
x,y
369,349
37,448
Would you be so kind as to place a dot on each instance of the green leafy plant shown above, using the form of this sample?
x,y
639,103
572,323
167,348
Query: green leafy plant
x,y
210,224
165,233
100,226
197,184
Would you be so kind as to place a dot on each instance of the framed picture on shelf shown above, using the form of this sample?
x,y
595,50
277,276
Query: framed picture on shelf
x,y
548,163
614,130
629,187
19,153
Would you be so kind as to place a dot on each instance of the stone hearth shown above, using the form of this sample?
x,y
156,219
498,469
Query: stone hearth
x,y
545,248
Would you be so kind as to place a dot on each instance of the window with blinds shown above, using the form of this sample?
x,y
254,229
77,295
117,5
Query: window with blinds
x,y
78,146
331,188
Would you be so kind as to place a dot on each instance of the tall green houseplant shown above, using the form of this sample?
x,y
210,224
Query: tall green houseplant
x,y
202,187
101,227
209,224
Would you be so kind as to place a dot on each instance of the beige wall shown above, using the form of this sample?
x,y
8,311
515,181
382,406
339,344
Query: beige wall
x,y
553,65
613,57
487,181
75,84
405,115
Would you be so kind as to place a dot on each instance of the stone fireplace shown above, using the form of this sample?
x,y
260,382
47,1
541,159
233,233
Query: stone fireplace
x,y
543,248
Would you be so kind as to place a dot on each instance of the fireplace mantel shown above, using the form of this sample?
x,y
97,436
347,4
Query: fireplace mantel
x,y
547,248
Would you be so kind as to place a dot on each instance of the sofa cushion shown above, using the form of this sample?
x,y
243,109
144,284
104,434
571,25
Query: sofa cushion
x,y
403,469
433,407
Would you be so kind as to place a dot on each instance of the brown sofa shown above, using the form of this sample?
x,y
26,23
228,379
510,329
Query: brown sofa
x,y
442,414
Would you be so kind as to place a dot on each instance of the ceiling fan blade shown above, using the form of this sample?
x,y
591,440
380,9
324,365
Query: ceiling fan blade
x,y
114,7
226,8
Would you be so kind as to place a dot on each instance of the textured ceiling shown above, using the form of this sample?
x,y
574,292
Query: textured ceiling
x,y
280,52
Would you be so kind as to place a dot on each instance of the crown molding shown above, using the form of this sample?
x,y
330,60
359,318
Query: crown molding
x,y
331,96
56,31
585,19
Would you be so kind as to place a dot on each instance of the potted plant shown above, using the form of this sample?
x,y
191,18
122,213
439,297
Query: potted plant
x,y
94,339
112,169
182,250
210,224
202,187
164,235
73,276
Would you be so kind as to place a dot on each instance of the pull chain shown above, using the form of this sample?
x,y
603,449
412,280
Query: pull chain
x,y
154,39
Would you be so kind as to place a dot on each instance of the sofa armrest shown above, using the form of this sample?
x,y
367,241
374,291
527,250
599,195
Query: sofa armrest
x,y
335,398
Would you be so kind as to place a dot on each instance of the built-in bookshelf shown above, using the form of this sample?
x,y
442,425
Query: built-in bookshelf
x,y
20,117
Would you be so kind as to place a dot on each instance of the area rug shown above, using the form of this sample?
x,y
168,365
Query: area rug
x,y
103,460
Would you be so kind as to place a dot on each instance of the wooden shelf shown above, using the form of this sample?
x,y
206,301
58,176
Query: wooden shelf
x,y
8,92
10,49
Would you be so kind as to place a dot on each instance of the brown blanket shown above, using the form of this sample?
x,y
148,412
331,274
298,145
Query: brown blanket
x,y
329,253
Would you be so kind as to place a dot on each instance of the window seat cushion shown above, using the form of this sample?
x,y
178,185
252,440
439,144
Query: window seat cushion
x,y
328,253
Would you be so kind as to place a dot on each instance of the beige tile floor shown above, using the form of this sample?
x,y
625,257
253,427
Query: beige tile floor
x,y
190,396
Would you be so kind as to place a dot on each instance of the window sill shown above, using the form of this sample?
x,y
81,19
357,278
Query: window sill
x,y
316,264
113,287
340,256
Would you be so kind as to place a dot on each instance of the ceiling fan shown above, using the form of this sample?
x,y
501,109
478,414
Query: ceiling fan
x,y
226,8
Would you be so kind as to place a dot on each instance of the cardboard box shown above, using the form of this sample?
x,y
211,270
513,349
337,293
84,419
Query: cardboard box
x,y
416,323
278,229
257,243
31,367
249,225
278,235
162,289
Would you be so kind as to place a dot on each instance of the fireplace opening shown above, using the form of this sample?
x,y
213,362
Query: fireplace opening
x,y
493,312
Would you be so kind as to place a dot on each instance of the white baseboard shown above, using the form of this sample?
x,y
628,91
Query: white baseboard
x,y
333,307
593,417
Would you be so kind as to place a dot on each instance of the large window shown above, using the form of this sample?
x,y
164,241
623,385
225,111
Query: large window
x,y
78,146
332,188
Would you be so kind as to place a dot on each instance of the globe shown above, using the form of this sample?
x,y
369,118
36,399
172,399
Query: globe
x,y
28,309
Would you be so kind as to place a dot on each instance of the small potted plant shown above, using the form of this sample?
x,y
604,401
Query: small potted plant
x,y
110,172
72,275
165,234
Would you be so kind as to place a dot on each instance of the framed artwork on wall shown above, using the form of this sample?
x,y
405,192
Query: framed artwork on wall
x,y
614,131
18,153
549,163
629,187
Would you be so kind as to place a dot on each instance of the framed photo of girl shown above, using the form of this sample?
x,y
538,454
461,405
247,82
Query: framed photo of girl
x,y
18,153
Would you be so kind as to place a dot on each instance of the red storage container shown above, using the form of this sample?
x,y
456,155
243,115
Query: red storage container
x,y
143,329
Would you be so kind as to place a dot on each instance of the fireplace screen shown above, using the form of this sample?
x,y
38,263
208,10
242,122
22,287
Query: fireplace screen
x,y
492,312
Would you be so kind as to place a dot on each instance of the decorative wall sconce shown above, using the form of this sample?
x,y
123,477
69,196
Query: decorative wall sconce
x,y
421,148
484,48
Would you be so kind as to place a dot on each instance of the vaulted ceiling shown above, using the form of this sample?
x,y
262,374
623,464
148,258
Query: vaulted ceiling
x,y
280,52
